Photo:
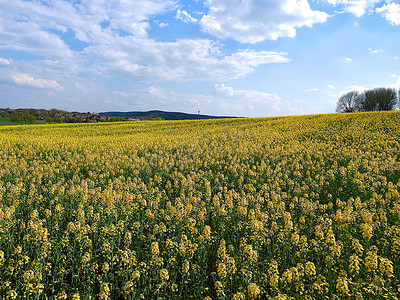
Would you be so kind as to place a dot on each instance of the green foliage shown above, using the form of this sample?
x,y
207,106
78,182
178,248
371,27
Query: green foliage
x,y
28,118
115,119
16,118
5,121
4,114
59,120
49,120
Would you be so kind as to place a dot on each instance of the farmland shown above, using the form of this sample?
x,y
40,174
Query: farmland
x,y
293,207
5,121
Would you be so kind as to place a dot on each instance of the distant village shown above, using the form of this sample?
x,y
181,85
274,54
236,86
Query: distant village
x,y
31,115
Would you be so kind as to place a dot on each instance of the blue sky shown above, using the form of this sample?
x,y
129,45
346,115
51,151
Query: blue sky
x,y
219,57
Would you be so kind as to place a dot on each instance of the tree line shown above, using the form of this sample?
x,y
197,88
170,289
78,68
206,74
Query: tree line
x,y
379,99
31,115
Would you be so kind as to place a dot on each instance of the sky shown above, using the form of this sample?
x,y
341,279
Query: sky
x,y
248,58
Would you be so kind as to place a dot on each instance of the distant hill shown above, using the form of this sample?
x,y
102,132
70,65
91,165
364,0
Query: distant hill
x,y
165,115
18,116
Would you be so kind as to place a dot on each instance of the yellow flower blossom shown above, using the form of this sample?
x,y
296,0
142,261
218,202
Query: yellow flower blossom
x,y
221,270
76,296
185,267
342,286
238,296
354,264
310,269
253,290
12,294
104,291
154,249
164,274
199,209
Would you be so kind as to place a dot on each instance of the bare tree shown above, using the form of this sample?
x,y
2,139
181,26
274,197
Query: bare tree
x,y
349,102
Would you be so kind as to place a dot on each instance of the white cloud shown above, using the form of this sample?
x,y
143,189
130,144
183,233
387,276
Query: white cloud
x,y
256,21
391,12
255,95
313,89
119,93
80,86
355,7
29,37
26,79
223,99
185,16
183,60
117,41
331,86
376,51
162,25
397,84
252,99
4,61
346,89
347,60
357,88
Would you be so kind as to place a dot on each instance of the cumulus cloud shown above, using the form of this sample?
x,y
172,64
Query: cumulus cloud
x,y
254,103
252,98
375,51
185,16
256,21
231,92
391,12
357,88
355,7
4,61
224,99
397,84
26,79
116,40
347,60
183,60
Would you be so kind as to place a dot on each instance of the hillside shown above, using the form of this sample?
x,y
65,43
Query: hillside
x,y
17,116
301,207
165,115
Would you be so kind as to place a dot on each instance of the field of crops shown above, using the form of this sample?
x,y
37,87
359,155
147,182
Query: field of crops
x,y
298,207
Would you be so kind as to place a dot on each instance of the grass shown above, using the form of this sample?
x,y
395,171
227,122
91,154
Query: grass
x,y
5,121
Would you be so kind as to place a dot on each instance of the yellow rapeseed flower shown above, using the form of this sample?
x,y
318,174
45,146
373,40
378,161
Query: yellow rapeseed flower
x,y
164,274
253,290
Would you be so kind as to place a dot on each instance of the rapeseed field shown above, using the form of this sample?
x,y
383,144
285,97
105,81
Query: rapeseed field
x,y
301,207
